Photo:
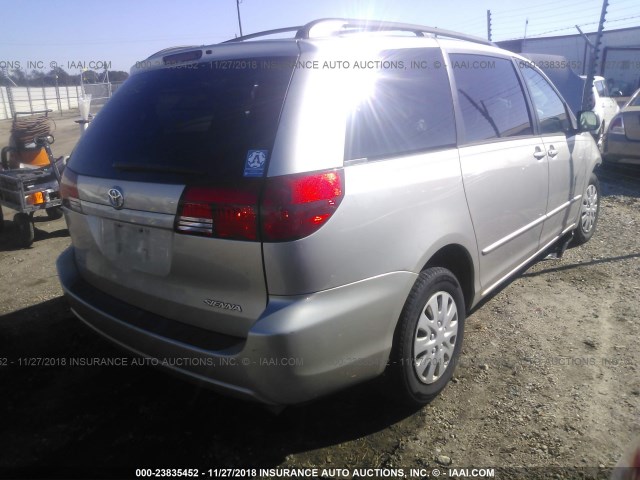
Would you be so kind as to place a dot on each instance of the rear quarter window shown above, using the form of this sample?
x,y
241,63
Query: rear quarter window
x,y
409,109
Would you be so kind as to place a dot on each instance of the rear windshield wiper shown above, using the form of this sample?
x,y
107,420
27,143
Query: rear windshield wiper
x,y
145,167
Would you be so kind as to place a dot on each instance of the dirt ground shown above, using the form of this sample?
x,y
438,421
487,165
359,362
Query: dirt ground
x,y
548,385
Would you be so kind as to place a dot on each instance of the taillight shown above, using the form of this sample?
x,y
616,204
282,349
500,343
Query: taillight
x,y
294,206
69,190
617,126
222,212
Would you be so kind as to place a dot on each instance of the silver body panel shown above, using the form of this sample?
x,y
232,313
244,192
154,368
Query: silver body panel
x,y
625,148
134,254
331,299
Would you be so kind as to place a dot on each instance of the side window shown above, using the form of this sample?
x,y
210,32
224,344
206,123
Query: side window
x,y
601,88
552,113
408,108
491,98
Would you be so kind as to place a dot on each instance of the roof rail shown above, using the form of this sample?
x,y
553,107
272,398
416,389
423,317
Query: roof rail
x,y
263,34
327,27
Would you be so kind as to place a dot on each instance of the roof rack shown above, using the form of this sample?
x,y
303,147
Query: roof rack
x,y
263,34
327,27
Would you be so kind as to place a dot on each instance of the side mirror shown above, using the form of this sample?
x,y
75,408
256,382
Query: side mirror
x,y
588,121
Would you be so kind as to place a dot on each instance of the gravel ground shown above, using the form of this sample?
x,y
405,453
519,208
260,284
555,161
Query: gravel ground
x,y
548,384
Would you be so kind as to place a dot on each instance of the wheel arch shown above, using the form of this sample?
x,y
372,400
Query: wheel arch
x,y
458,260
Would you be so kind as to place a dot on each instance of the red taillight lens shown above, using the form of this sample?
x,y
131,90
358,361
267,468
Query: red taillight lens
x,y
292,207
69,190
222,212
295,206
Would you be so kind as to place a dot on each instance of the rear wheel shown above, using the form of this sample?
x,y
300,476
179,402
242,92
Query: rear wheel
x,y
428,337
588,212
1,220
26,232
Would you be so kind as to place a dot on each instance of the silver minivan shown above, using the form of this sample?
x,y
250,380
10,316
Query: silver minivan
x,y
280,218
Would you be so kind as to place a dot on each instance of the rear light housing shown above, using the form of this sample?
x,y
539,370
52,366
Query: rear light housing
x,y
291,207
69,190
617,125
222,212
295,206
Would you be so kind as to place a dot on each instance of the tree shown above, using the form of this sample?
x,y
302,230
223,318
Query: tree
x,y
117,76
90,76
35,78
63,77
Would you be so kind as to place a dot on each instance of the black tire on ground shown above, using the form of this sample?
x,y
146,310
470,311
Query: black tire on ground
x,y
589,211
428,338
54,213
4,157
1,220
24,226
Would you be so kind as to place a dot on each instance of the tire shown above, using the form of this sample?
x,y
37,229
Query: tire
x,y
589,212
26,232
1,220
54,213
4,157
428,338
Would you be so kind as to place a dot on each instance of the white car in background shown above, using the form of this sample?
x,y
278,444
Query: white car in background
x,y
605,106
559,69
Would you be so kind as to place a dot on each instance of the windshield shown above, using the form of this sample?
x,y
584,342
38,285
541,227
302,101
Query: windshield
x,y
201,120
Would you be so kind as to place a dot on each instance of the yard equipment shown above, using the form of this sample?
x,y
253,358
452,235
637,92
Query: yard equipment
x,y
30,175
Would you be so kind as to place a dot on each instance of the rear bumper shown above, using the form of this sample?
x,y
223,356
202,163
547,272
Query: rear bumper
x,y
299,349
620,147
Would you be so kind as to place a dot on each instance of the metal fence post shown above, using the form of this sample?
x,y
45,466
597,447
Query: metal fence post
x,y
4,103
29,97
44,97
58,99
12,106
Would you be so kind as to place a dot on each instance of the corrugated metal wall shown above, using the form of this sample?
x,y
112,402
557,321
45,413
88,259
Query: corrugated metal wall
x,y
26,99
619,59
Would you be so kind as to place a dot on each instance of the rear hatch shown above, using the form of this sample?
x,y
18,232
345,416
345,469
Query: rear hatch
x,y
167,180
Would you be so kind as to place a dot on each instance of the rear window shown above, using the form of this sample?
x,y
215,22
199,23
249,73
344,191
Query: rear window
x,y
201,121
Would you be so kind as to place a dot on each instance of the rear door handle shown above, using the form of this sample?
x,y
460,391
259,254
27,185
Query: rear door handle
x,y
539,153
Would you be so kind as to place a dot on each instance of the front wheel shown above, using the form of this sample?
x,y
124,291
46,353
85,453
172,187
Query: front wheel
x,y
428,338
589,212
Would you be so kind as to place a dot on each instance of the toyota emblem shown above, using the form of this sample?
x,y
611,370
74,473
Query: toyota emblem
x,y
116,199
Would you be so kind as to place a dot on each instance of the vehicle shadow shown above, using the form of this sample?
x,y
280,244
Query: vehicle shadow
x,y
9,240
581,264
619,180
97,418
